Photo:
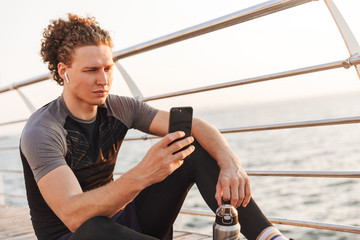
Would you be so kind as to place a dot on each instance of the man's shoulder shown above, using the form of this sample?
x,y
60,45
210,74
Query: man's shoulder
x,y
133,112
44,113
47,117
116,103
117,99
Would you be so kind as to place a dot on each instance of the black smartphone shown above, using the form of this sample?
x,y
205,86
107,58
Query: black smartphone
x,y
181,120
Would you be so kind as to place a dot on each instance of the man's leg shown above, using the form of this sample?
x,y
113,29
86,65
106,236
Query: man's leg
x,y
103,228
206,171
158,206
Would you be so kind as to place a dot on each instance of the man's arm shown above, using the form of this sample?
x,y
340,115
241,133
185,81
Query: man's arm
x,y
233,183
62,192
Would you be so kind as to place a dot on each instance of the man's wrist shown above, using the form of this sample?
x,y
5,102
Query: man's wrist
x,y
136,182
229,161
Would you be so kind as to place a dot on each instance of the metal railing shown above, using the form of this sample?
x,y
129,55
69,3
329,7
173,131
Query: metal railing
x,y
290,222
247,14
303,124
274,76
298,223
25,83
244,15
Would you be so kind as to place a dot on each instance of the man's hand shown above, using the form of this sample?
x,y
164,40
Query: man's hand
x,y
159,162
233,184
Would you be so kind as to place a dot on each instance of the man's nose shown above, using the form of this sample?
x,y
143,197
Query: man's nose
x,y
102,78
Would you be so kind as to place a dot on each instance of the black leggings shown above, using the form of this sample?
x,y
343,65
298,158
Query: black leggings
x,y
158,205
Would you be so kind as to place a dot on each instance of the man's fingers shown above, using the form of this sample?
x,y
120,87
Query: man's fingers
x,y
169,138
234,190
237,190
177,164
241,191
184,153
178,145
248,194
225,185
218,194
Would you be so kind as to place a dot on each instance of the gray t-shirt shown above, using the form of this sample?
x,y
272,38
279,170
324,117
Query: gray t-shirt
x,y
53,137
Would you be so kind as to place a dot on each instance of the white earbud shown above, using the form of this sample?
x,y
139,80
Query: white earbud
x,y
67,78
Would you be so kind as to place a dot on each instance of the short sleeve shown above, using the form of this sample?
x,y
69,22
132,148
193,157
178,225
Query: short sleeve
x,y
43,148
132,112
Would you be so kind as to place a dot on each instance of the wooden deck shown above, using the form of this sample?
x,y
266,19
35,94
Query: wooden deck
x,y
15,224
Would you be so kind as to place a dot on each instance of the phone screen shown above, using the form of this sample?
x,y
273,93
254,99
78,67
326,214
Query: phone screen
x,y
181,120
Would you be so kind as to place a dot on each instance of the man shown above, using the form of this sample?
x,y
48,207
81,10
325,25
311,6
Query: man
x,y
69,148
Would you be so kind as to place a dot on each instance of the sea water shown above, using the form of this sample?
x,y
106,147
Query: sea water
x,y
326,148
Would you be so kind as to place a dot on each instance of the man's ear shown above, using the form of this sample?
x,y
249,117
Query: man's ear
x,y
62,69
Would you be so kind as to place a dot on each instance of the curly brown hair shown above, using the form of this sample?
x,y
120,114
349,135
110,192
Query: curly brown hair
x,y
62,37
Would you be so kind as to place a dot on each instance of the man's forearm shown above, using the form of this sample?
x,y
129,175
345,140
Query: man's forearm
x,y
74,207
213,142
103,201
233,182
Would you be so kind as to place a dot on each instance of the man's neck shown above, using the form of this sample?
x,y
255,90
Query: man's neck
x,y
80,109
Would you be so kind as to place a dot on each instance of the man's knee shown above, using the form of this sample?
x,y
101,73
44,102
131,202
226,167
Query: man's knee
x,y
103,228
96,222
91,228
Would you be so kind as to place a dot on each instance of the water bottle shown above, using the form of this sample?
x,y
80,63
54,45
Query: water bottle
x,y
226,226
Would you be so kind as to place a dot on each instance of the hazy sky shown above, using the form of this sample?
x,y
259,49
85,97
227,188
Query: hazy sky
x,y
294,38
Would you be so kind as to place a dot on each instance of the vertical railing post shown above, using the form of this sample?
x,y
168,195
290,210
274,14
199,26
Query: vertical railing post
x,y
26,100
130,82
347,35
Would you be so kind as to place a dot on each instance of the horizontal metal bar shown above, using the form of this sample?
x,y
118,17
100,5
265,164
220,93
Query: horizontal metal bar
x,y
313,123
316,68
8,148
12,195
197,213
295,72
25,83
13,122
10,171
317,225
326,174
244,15
143,137
309,224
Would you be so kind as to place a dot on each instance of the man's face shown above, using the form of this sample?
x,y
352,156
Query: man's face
x,y
91,75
